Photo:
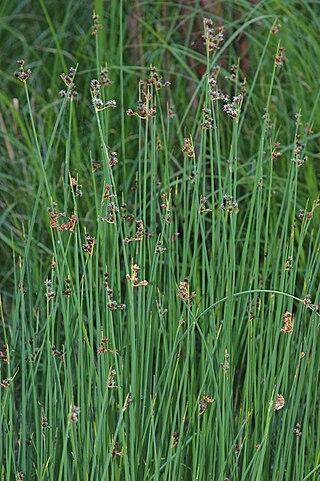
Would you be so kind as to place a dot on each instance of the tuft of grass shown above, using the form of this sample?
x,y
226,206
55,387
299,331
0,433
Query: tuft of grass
x,y
160,260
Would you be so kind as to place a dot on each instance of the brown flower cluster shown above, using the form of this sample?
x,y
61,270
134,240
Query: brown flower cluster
x,y
54,222
188,147
288,319
166,206
112,304
134,277
275,154
104,78
289,266
98,103
203,209
276,29
96,25
44,423
232,109
139,235
78,187
57,353
88,246
22,74
111,381
211,37
280,402
175,439
154,80
228,205
6,382
203,404
113,159
103,347
280,57
226,365
67,291
69,82
115,451
4,356
50,292
308,303
145,108
74,414
208,121
184,291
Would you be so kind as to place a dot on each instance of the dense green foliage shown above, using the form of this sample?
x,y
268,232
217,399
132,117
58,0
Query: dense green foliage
x,y
159,264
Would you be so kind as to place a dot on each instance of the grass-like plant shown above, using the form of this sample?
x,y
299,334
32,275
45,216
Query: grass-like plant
x,y
160,243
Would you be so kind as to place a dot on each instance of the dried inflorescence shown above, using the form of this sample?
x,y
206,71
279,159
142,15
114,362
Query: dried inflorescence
x,y
44,423
211,37
69,82
208,121
104,78
159,248
34,355
4,355
57,353
280,57
154,80
74,414
166,206
50,293
297,430
308,303
232,109
111,381
280,402
112,304
203,404
203,209
115,451
98,103
275,29
175,439
103,347
134,277
275,154
88,246
22,74
54,215
54,222
139,235
112,209
289,266
225,365
6,382
188,147
298,159
228,205
67,291
171,114
96,25
288,319
78,187
113,159
70,225
184,291
145,108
